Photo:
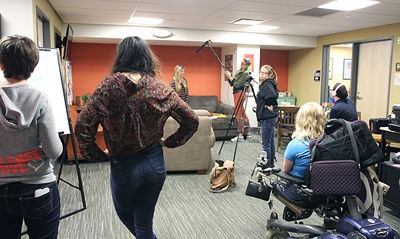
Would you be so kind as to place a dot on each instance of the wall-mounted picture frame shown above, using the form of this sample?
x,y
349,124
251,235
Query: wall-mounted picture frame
x,y
330,68
347,69
397,66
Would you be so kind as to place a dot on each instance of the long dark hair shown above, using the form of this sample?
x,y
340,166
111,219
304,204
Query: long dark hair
x,y
135,56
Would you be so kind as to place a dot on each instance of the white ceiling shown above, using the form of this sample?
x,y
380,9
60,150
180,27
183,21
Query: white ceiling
x,y
216,14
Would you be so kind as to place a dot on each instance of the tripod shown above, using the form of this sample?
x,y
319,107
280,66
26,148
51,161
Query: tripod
x,y
240,109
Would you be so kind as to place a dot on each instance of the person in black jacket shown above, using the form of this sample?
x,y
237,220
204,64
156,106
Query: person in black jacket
x,y
344,108
267,110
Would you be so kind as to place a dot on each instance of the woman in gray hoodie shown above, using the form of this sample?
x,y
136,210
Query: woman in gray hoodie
x,y
28,142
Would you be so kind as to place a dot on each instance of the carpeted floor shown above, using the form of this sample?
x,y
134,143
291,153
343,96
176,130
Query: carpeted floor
x,y
186,209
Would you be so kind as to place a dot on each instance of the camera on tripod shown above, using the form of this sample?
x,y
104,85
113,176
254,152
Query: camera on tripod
x,y
249,78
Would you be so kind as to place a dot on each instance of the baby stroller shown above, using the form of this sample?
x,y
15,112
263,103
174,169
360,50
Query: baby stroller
x,y
341,218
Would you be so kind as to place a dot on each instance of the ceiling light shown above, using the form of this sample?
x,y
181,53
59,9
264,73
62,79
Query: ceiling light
x,y
261,28
246,21
345,5
147,21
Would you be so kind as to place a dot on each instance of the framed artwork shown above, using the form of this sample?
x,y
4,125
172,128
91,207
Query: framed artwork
x,y
250,69
229,64
347,69
251,57
397,66
330,68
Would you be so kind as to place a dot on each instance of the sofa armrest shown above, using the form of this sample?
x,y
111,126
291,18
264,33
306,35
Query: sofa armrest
x,y
195,154
225,109
202,113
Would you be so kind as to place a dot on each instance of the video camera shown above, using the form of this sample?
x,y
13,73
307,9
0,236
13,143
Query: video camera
x,y
249,78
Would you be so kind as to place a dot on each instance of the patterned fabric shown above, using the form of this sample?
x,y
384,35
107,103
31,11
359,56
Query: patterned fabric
x,y
336,178
184,94
132,119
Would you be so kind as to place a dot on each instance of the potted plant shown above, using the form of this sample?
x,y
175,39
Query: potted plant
x,y
78,100
85,98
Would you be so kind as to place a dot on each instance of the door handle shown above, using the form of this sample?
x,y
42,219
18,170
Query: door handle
x,y
358,97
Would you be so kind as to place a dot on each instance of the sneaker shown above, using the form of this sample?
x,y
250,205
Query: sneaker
x,y
236,138
248,135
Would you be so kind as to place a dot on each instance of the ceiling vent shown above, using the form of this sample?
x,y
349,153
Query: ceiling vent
x,y
317,12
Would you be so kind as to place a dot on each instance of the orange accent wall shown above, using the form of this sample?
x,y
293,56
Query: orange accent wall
x,y
92,62
279,60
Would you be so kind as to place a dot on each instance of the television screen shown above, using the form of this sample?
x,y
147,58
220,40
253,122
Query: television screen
x,y
67,42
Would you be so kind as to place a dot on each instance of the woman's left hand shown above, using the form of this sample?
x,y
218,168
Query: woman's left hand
x,y
162,142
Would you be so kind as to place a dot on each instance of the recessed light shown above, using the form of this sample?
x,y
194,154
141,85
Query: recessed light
x,y
246,21
345,5
261,28
147,21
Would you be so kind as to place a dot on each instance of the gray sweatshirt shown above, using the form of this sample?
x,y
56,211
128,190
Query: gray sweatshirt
x,y
28,136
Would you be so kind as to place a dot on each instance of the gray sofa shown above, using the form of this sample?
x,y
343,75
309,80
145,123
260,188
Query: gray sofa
x,y
212,105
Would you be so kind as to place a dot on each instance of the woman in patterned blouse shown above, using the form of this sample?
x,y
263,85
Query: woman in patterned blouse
x,y
179,83
132,107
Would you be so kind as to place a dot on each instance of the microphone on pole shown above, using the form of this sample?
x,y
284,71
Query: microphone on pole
x,y
205,43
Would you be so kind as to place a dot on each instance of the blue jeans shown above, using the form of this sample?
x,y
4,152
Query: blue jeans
x,y
268,139
136,183
41,214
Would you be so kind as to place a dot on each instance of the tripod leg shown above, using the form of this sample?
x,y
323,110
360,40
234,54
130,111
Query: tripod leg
x,y
231,122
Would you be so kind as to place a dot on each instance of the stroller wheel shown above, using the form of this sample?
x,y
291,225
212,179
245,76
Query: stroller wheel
x,y
276,234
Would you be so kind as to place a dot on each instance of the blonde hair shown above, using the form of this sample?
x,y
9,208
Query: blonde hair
x,y
310,122
271,72
179,78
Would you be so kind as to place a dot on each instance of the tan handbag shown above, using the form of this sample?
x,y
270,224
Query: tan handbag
x,y
222,176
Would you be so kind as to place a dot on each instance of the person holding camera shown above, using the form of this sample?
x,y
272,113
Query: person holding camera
x,y
267,110
238,82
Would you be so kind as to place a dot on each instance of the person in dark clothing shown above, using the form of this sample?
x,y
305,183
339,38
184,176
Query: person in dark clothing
x,y
344,108
267,110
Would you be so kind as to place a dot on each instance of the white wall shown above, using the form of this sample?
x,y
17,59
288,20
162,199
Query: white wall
x,y
16,17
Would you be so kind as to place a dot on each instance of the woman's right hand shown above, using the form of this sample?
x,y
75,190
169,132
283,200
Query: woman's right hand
x,y
270,107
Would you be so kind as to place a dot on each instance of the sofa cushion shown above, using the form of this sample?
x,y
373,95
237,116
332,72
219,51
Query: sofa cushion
x,y
208,102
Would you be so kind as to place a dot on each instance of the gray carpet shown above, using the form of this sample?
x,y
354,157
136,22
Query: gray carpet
x,y
186,209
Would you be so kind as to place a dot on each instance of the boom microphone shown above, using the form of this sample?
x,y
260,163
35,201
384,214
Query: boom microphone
x,y
205,43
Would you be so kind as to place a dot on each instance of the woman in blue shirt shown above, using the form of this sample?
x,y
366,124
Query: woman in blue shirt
x,y
310,122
